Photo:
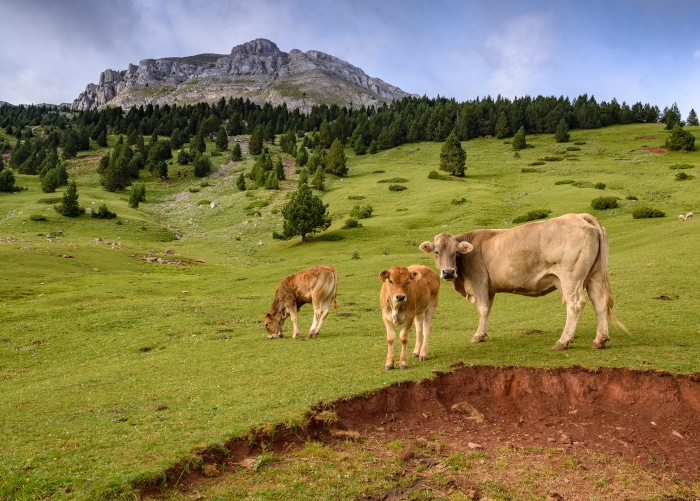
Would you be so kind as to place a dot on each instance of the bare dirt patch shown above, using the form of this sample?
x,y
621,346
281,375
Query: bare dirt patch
x,y
526,418
659,151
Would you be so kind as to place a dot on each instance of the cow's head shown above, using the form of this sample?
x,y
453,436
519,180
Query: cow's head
x,y
274,323
446,249
396,280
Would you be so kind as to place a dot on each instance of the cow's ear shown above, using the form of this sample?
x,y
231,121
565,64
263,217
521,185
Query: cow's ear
x,y
384,275
415,276
464,247
427,247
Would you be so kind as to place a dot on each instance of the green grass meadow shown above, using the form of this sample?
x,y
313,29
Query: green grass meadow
x,y
114,368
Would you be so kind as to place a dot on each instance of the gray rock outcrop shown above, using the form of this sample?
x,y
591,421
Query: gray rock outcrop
x,y
257,70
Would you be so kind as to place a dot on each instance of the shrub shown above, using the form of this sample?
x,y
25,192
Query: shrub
x,y
356,197
645,212
599,186
433,174
137,195
533,215
37,217
202,166
536,163
358,212
103,212
351,223
458,201
397,187
681,166
527,170
565,181
602,203
394,180
682,176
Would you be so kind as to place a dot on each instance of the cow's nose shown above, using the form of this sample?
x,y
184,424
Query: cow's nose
x,y
448,273
400,297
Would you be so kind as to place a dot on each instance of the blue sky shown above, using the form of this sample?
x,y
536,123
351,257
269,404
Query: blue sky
x,y
631,50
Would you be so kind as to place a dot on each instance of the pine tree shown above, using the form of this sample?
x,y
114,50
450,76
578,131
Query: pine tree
x,y
255,144
318,181
336,159
562,133
519,140
222,139
7,181
69,206
304,213
452,156
137,195
240,182
693,118
236,153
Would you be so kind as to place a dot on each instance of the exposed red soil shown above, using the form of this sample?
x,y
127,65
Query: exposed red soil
x,y
660,151
647,417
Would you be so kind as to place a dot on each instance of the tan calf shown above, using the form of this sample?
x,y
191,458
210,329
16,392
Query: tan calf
x,y
317,285
408,295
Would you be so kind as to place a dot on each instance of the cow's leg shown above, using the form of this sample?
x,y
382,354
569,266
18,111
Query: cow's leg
x,y
320,313
483,307
390,337
575,300
597,293
418,321
293,317
427,328
403,336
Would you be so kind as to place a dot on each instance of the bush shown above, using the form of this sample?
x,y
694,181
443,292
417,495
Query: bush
x,y
137,195
599,186
103,212
533,215
682,176
458,201
527,170
358,212
37,217
397,187
602,203
646,212
433,174
565,181
351,223
202,166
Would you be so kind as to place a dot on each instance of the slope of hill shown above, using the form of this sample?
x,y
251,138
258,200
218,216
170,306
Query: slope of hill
x,y
257,70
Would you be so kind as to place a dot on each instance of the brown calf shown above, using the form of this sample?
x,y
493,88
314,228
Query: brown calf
x,y
408,295
317,285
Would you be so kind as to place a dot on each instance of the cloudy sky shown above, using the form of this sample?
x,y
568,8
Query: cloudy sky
x,y
632,50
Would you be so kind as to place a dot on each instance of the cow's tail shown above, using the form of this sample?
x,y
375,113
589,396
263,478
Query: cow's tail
x,y
335,291
601,266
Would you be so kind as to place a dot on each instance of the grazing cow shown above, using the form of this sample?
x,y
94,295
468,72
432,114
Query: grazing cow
x,y
408,295
316,285
689,215
568,253
681,217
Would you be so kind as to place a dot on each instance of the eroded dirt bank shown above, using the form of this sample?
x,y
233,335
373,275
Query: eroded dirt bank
x,y
649,418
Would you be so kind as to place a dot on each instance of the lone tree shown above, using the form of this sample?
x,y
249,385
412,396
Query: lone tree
x,y
680,139
452,156
562,133
692,118
69,206
304,214
519,141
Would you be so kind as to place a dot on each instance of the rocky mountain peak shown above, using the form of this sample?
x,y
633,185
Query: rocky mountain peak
x,y
257,70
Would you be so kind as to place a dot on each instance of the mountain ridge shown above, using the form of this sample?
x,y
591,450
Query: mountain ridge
x,y
257,70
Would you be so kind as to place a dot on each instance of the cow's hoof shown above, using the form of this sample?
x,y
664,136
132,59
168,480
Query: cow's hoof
x,y
478,339
598,346
560,346
416,355
388,367
424,359
403,367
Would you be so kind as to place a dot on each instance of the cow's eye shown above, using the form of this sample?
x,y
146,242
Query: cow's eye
x,y
391,282
437,253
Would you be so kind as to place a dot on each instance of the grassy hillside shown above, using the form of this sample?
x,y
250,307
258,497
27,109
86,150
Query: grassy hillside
x,y
114,365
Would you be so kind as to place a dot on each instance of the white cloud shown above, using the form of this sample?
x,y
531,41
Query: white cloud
x,y
519,55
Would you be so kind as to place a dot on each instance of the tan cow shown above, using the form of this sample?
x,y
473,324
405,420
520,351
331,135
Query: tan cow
x,y
568,253
317,285
408,295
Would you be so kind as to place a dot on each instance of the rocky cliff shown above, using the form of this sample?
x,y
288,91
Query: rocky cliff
x,y
256,70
